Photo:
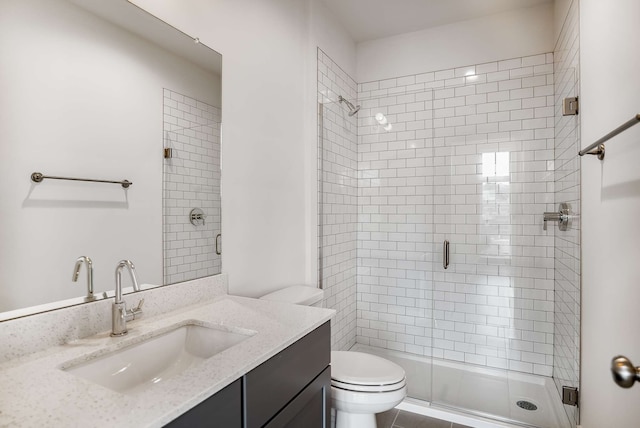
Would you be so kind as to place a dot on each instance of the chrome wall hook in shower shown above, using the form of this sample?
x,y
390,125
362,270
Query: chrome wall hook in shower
x,y
562,217
196,217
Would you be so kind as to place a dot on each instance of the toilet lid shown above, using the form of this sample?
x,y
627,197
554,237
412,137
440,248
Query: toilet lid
x,y
359,368
369,388
297,294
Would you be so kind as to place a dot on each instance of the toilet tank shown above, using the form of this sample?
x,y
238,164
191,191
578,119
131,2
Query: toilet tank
x,y
297,294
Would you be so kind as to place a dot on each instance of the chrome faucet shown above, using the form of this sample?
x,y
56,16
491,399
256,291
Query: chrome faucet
x,y
120,313
76,273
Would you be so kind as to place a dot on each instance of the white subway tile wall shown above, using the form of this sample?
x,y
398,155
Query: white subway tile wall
x,y
566,363
465,155
191,179
337,203
395,214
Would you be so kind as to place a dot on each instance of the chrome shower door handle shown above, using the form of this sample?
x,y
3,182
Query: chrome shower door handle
x,y
445,254
218,250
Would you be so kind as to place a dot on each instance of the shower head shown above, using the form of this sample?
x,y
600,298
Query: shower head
x,y
352,109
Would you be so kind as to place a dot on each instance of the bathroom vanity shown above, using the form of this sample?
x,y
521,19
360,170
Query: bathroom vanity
x,y
290,389
277,374
197,356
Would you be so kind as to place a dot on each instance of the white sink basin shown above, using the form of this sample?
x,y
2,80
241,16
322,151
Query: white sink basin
x,y
144,365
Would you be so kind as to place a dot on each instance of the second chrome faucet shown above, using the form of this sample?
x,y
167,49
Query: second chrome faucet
x,y
76,271
119,311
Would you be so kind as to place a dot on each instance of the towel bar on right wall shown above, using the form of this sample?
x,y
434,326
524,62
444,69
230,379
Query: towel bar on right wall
x,y
599,145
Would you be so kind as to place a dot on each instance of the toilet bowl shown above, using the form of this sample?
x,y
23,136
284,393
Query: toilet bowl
x,y
361,384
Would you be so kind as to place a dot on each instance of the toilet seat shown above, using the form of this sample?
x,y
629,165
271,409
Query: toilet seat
x,y
368,388
360,372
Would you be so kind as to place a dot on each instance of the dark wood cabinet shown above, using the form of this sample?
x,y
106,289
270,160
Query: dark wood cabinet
x,y
310,408
291,389
269,387
224,409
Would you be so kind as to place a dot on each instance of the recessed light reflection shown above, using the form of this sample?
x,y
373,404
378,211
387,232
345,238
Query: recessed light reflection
x,y
122,370
382,120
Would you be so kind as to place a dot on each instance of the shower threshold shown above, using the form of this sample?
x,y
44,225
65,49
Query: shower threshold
x,y
476,396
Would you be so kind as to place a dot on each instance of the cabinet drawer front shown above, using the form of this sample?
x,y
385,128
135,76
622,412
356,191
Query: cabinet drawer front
x,y
270,386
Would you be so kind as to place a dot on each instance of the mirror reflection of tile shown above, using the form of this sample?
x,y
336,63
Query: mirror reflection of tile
x,y
191,181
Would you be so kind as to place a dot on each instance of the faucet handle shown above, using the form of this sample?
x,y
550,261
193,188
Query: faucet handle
x,y
137,311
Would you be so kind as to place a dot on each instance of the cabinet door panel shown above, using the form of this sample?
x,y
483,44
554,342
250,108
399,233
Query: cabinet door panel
x,y
310,409
273,384
224,409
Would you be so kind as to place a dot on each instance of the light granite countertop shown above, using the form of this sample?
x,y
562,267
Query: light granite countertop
x,y
35,391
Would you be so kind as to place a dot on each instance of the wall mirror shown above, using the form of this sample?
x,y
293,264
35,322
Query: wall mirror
x,y
103,90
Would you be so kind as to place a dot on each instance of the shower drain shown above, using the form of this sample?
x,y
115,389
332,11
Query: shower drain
x,y
527,405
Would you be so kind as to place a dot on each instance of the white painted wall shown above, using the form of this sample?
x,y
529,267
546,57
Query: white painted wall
x,y
560,11
611,209
507,35
328,34
80,99
269,129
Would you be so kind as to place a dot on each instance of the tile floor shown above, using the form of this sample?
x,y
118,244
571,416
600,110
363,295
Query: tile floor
x,y
395,418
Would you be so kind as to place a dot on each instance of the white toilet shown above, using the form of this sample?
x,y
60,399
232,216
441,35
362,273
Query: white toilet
x,y
361,384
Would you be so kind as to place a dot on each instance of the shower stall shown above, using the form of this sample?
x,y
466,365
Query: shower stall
x,y
432,245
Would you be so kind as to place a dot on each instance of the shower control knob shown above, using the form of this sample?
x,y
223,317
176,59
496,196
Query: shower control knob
x,y
624,373
562,217
197,217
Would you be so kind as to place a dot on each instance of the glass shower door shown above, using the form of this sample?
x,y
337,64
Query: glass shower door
x,y
473,306
493,304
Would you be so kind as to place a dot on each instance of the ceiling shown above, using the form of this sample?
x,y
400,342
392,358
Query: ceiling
x,y
375,19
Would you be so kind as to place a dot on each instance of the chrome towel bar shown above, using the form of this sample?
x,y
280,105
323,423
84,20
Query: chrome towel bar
x,y
37,177
600,143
